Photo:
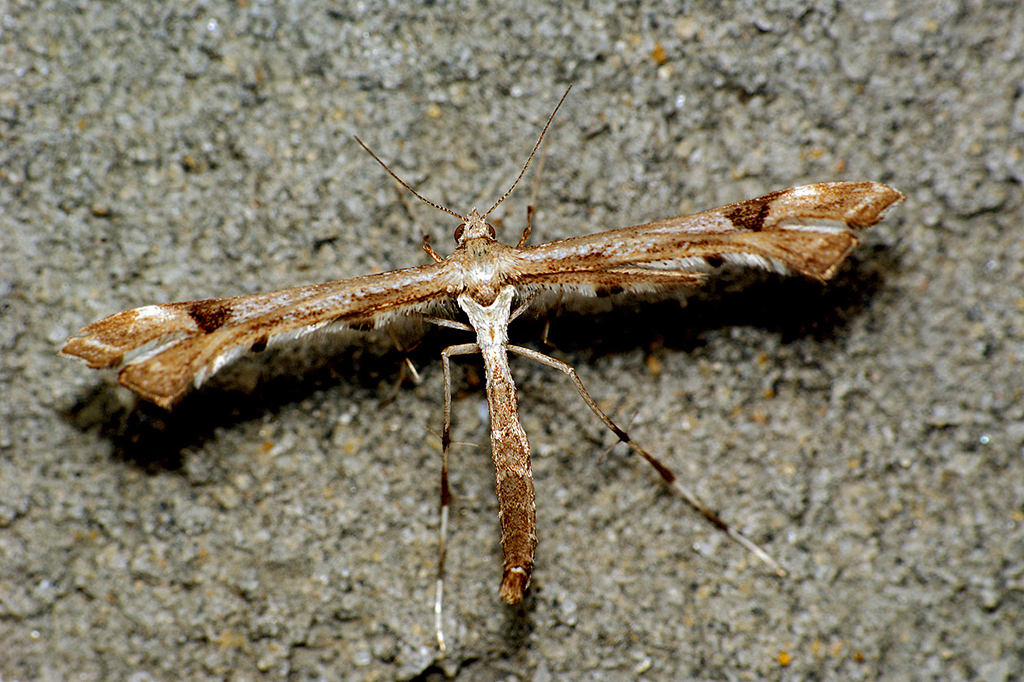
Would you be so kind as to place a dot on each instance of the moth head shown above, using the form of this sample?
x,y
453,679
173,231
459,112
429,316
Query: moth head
x,y
473,227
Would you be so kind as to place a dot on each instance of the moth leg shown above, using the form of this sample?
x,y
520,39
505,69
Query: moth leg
x,y
528,229
407,369
544,334
446,493
445,322
670,478
524,305
430,251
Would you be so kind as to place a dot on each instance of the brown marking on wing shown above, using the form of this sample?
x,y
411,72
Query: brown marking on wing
x,y
750,215
210,314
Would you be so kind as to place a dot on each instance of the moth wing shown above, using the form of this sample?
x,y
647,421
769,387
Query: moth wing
x,y
163,348
805,230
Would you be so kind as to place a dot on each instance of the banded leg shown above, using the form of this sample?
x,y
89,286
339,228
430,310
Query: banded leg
x,y
670,478
446,493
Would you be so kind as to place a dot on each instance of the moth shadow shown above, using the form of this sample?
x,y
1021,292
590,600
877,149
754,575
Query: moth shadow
x,y
791,307
155,439
519,624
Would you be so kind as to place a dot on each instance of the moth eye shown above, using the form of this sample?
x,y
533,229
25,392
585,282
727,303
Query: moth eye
x,y
458,232
490,231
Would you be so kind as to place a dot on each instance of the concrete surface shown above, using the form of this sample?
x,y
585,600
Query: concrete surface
x,y
280,524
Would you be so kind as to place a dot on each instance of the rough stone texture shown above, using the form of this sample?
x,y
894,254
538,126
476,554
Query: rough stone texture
x,y
870,434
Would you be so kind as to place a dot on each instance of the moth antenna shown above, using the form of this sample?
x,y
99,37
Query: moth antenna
x,y
527,164
404,184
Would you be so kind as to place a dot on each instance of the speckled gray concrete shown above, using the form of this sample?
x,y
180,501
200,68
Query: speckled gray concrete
x,y
288,531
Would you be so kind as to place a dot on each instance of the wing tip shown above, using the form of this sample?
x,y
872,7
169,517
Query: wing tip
x,y
876,202
95,354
